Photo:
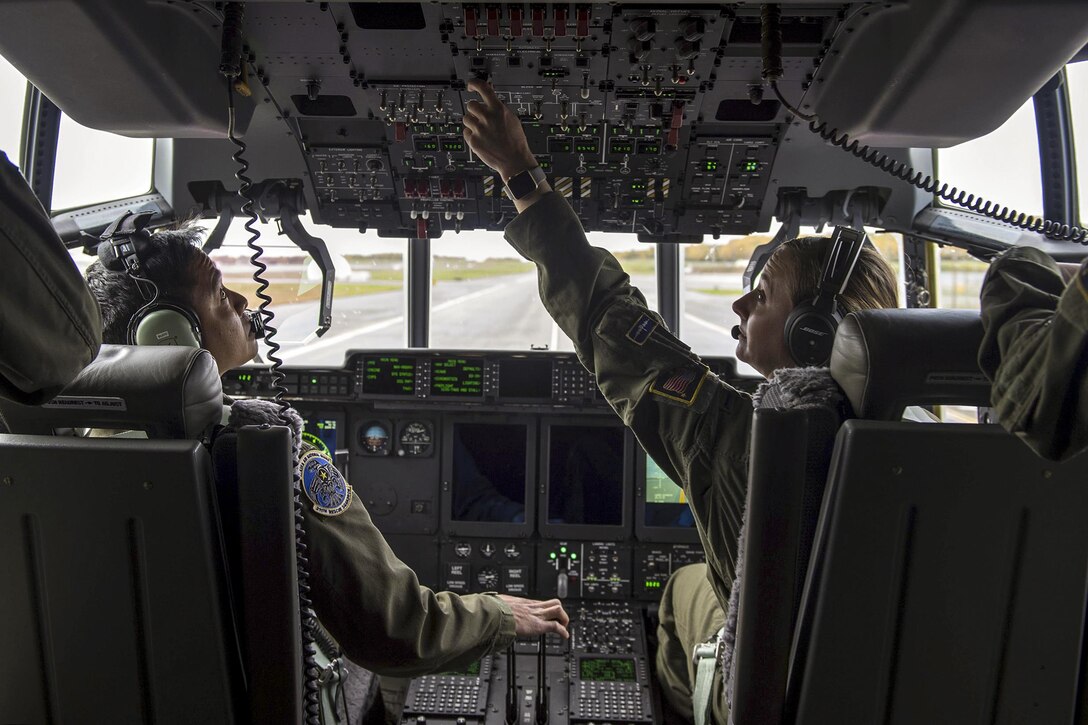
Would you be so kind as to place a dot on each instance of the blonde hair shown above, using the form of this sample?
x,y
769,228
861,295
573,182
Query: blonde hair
x,y
799,263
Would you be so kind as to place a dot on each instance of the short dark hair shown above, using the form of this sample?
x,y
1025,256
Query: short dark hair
x,y
168,262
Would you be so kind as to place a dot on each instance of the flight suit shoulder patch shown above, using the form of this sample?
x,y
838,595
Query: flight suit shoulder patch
x,y
642,329
681,385
323,484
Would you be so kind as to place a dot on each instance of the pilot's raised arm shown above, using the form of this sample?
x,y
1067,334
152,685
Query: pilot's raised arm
x,y
1036,349
49,323
695,426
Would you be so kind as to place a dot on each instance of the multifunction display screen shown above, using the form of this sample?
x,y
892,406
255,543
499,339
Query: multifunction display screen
x,y
389,375
522,378
585,475
666,504
457,377
322,432
606,669
489,472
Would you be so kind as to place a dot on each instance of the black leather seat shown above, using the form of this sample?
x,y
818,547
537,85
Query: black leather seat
x,y
121,606
948,576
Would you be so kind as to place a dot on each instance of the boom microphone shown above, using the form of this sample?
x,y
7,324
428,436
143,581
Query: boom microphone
x,y
735,332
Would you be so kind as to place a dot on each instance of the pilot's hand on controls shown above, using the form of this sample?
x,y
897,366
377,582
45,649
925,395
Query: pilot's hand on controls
x,y
533,618
494,133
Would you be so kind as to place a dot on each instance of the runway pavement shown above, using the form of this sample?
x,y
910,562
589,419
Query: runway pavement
x,y
481,314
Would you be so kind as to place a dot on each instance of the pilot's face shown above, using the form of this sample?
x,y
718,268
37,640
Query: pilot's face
x,y
224,323
763,313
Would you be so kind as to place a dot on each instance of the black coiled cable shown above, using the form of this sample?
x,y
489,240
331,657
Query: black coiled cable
x,y
977,204
771,37
311,671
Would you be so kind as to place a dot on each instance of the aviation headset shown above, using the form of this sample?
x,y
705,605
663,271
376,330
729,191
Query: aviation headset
x,y
162,321
810,328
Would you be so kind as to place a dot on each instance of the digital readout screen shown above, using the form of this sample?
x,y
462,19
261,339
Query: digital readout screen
x,y
457,377
666,504
389,375
322,432
472,670
606,669
524,378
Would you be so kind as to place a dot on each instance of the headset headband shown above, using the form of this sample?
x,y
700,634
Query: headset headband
x,y
842,257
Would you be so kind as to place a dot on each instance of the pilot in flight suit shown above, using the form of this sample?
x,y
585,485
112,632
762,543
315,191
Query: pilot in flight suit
x,y
369,600
1035,350
695,426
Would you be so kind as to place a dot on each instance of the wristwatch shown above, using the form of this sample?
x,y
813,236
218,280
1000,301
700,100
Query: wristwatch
x,y
521,185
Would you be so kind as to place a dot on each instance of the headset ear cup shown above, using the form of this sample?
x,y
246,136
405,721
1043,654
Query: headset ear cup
x,y
167,325
810,335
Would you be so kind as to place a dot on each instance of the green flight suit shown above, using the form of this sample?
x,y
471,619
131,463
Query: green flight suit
x,y
1035,350
695,426
50,328
376,609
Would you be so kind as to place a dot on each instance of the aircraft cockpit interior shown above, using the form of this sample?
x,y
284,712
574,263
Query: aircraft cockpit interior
x,y
322,148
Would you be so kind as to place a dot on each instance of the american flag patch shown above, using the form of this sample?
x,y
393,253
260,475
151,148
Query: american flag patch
x,y
681,384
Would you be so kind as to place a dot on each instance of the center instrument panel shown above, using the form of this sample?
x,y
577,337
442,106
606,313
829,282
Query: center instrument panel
x,y
648,118
508,472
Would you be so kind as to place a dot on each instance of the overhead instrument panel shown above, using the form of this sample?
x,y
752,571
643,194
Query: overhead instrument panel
x,y
645,117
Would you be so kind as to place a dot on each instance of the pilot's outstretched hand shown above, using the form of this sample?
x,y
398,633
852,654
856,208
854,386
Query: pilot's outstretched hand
x,y
533,618
494,133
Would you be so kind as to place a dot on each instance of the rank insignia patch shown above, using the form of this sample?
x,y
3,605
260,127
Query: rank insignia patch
x,y
680,385
642,329
323,484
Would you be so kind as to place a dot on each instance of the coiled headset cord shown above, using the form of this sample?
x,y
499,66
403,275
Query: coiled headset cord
x,y
231,68
771,36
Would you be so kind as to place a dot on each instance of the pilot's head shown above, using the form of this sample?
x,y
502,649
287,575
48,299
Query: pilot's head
x,y
188,278
792,277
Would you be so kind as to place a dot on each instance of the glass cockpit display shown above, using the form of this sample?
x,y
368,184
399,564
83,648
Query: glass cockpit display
x,y
585,475
489,472
322,431
389,375
666,503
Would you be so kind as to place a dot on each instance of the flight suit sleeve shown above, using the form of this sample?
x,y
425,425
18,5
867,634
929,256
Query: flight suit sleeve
x,y
376,609
1035,350
50,327
693,425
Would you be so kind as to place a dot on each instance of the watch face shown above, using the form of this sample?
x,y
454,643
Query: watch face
x,y
525,183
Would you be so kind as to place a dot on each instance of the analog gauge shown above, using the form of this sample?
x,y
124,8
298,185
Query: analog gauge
x,y
462,549
488,578
374,438
416,439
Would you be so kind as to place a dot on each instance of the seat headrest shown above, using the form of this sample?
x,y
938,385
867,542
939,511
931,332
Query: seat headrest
x,y
169,392
886,360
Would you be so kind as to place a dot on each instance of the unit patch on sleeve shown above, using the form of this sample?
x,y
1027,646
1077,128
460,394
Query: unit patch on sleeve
x,y
324,484
642,329
681,384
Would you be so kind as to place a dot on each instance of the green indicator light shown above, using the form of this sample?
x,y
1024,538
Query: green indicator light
x,y
562,550
573,557
711,166
751,165
313,381
551,555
